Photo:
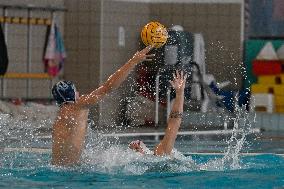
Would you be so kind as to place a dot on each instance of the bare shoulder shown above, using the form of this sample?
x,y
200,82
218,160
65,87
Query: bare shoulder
x,y
70,107
71,115
70,110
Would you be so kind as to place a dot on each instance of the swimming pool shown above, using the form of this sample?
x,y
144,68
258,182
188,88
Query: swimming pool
x,y
32,170
236,160
202,163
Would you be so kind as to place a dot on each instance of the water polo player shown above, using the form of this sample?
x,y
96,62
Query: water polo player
x,y
69,129
166,146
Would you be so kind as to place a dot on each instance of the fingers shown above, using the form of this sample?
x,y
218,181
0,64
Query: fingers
x,y
179,75
174,76
149,57
142,55
179,80
172,83
184,79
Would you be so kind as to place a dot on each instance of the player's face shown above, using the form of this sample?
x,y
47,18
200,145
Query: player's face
x,y
137,146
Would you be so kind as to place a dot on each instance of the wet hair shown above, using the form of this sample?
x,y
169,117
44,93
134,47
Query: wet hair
x,y
64,92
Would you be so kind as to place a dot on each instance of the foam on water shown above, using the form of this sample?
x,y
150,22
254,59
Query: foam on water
x,y
231,159
108,157
120,159
110,164
113,157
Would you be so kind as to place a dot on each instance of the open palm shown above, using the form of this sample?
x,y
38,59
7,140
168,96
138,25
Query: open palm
x,y
179,80
142,55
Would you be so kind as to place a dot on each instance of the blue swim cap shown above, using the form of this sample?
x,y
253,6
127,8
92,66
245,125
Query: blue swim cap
x,y
63,91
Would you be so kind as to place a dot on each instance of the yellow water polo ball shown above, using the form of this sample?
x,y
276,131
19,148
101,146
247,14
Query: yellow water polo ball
x,y
154,33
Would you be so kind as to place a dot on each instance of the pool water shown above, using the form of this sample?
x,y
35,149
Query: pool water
x,y
32,170
238,160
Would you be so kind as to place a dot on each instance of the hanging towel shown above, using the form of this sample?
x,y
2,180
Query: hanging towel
x,y
3,53
54,52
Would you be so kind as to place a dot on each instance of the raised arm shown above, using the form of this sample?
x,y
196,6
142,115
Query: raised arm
x,y
167,144
115,79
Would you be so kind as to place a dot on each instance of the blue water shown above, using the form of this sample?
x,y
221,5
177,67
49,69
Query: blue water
x,y
108,163
32,170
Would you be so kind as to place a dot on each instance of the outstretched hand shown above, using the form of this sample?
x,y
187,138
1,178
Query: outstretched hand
x,y
142,55
179,80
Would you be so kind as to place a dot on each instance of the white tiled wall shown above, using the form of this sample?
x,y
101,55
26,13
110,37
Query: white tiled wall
x,y
17,43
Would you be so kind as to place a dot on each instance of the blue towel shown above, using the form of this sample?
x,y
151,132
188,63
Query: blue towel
x,y
54,52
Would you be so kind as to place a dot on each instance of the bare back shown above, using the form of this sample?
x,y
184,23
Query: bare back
x,y
68,135
69,129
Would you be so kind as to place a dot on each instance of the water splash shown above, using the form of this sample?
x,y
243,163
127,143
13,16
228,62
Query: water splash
x,y
119,159
231,159
113,157
109,156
